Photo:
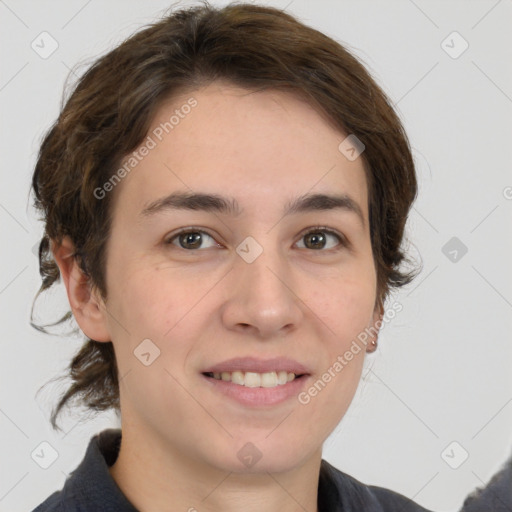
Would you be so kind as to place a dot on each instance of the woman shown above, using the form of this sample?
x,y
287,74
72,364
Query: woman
x,y
224,197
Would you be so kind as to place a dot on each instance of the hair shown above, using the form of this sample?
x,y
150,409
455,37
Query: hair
x,y
110,110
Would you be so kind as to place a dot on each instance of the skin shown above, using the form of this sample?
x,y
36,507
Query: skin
x,y
203,306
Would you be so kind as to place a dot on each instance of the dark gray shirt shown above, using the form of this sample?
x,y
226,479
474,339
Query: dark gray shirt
x,y
496,496
91,488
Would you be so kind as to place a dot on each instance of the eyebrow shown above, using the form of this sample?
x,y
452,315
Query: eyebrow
x,y
229,206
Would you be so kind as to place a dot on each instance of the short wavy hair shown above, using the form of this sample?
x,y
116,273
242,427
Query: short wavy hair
x,y
110,109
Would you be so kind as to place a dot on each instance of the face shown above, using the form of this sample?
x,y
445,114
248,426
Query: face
x,y
286,290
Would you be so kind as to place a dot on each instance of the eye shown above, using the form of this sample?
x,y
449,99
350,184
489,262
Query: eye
x,y
317,238
190,239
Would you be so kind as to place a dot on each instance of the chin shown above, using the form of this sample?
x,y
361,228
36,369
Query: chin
x,y
263,456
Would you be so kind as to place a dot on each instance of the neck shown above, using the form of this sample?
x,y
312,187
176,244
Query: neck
x,y
155,477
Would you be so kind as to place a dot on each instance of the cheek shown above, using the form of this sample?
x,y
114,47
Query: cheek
x,y
345,303
345,308
154,303
139,304
149,316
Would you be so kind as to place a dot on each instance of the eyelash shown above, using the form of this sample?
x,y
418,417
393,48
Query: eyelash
x,y
314,229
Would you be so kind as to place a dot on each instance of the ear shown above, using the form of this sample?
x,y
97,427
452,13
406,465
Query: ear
x,y
86,304
374,327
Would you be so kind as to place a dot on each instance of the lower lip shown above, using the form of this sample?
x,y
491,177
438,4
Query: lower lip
x,y
258,396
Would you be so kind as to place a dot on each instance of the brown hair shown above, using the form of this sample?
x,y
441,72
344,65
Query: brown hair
x,y
110,110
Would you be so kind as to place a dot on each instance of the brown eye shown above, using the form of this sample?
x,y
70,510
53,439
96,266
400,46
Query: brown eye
x,y
190,240
318,239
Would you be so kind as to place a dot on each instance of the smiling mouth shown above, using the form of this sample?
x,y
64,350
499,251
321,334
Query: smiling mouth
x,y
255,380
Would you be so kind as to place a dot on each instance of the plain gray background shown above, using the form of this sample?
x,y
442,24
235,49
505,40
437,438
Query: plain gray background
x,y
441,373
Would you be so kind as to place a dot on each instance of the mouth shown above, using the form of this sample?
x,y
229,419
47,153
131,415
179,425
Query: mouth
x,y
252,372
256,380
259,383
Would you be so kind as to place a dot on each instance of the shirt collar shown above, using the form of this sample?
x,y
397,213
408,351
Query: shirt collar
x,y
92,484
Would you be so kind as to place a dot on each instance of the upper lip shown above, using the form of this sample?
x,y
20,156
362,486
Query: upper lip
x,y
252,364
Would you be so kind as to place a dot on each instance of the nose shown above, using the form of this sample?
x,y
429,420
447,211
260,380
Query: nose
x,y
263,298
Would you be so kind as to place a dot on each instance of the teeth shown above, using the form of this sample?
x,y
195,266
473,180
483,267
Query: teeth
x,y
255,380
237,378
282,377
268,380
252,380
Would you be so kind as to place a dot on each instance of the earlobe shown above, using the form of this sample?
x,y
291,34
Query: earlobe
x,y
374,328
86,305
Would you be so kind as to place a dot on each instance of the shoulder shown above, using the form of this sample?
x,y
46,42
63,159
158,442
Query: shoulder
x,y
352,495
68,499
390,499
54,503
90,487
495,496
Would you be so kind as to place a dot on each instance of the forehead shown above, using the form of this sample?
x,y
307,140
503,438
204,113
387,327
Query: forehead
x,y
269,146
